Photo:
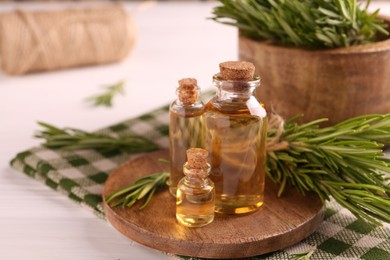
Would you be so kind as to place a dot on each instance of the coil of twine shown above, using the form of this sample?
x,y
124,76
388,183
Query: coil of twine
x,y
276,123
52,40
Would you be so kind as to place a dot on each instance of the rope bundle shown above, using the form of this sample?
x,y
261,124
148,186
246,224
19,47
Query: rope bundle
x,y
274,144
51,40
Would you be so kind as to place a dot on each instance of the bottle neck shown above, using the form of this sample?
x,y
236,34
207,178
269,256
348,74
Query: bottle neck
x,y
195,182
188,104
235,90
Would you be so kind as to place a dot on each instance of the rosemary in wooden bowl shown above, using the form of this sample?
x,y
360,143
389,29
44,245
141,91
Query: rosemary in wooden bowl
x,y
309,24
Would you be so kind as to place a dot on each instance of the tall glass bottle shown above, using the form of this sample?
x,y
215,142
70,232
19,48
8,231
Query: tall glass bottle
x,y
186,128
195,192
236,135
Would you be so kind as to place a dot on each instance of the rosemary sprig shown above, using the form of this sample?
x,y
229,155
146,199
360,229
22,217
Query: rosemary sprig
x,y
344,161
75,139
310,23
144,187
303,255
105,99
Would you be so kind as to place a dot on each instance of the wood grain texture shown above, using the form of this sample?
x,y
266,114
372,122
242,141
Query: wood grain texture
x,y
336,83
279,223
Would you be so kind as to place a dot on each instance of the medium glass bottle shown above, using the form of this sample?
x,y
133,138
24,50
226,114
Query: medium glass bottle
x,y
195,199
236,135
186,128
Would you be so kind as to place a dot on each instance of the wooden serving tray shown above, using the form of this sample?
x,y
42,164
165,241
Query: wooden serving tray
x,y
279,223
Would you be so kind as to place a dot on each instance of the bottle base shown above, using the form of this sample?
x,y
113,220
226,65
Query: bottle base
x,y
238,205
194,221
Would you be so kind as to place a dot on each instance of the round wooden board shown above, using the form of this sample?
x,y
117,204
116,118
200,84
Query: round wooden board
x,y
279,223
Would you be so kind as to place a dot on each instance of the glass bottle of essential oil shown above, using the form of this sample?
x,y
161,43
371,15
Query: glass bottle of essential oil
x,y
236,132
195,199
186,128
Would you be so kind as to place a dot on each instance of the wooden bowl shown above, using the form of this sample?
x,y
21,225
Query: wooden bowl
x,y
335,83
279,223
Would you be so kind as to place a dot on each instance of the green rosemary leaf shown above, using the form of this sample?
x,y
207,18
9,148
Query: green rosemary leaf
x,y
129,204
105,99
303,255
146,189
335,134
143,187
51,129
379,213
151,193
136,185
313,171
117,203
357,186
368,197
328,13
287,28
282,185
341,4
163,161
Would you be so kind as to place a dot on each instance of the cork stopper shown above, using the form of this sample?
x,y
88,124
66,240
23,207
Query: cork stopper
x,y
188,90
197,157
188,83
197,162
237,70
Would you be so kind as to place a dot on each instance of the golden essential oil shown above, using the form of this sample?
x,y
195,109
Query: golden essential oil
x,y
186,128
195,199
236,135
236,142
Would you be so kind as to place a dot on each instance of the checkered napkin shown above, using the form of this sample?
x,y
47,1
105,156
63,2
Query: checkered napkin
x,y
80,175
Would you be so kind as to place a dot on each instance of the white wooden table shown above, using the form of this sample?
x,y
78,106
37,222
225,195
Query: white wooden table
x,y
175,40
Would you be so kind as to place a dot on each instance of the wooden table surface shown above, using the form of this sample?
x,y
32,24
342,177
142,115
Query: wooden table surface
x,y
175,40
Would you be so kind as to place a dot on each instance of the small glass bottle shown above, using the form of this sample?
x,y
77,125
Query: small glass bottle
x,y
195,199
186,128
236,135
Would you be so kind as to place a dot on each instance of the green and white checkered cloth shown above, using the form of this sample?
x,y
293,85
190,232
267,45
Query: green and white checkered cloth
x,y
80,175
